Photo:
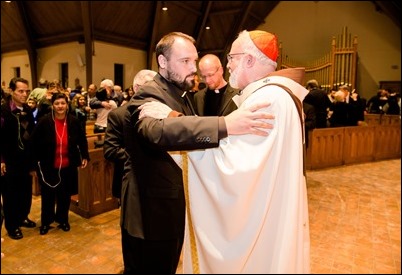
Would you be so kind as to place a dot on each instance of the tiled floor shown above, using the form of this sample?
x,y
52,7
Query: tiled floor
x,y
355,226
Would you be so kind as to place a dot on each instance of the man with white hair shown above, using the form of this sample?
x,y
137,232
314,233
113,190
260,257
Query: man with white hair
x,y
141,78
260,180
114,147
109,86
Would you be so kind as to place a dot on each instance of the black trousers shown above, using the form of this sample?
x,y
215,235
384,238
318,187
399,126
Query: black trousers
x,y
149,256
16,191
55,201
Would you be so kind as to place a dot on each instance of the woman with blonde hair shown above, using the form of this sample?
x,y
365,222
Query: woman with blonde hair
x,y
80,109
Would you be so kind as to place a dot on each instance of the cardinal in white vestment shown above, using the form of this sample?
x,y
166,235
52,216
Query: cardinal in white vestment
x,y
247,198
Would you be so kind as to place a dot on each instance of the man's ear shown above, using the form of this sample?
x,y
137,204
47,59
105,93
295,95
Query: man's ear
x,y
162,61
250,60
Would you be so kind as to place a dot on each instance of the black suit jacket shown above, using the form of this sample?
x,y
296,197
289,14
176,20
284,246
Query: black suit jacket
x,y
227,105
319,99
44,144
153,204
114,148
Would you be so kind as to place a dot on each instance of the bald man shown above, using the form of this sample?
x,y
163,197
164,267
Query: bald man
x,y
216,98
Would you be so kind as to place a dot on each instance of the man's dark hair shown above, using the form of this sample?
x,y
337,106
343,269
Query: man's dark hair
x,y
13,82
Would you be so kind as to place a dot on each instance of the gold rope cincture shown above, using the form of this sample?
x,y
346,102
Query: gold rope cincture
x,y
193,244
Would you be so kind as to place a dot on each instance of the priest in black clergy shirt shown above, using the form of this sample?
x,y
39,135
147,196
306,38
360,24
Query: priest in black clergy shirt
x,y
216,98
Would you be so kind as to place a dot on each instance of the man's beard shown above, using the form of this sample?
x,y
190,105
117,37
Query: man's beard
x,y
233,78
185,85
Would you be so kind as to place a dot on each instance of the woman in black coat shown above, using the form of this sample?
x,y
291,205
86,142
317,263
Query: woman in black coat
x,y
59,147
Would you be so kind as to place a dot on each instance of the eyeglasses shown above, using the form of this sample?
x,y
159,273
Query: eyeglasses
x,y
230,56
210,75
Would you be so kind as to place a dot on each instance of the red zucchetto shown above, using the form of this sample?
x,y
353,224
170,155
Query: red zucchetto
x,y
266,42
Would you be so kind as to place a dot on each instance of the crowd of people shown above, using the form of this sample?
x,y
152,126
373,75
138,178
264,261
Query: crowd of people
x,y
341,106
45,141
238,140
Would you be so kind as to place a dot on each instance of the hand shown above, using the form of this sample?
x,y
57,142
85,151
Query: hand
x,y
106,105
84,163
33,174
249,121
2,254
154,109
3,168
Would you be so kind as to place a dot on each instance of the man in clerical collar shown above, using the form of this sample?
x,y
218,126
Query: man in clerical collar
x,y
216,98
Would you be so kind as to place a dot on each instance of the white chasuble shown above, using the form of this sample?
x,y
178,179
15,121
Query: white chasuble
x,y
247,200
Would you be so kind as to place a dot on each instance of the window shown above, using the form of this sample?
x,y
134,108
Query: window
x,y
64,75
17,72
119,75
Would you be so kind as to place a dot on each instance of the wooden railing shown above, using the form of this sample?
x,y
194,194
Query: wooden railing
x,y
337,67
380,140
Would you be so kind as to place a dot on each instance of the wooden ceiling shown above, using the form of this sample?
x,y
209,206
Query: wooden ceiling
x,y
36,24
139,25
29,25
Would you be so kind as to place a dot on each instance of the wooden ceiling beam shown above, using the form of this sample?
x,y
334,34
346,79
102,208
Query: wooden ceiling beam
x,y
201,27
155,25
226,11
245,11
186,7
56,39
28,42
120,40
88,39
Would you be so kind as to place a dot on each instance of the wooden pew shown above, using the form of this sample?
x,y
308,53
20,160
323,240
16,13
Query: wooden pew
x,y
387,142
375,119
330,147
94,187
93,138
89,128
325,148
359,144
